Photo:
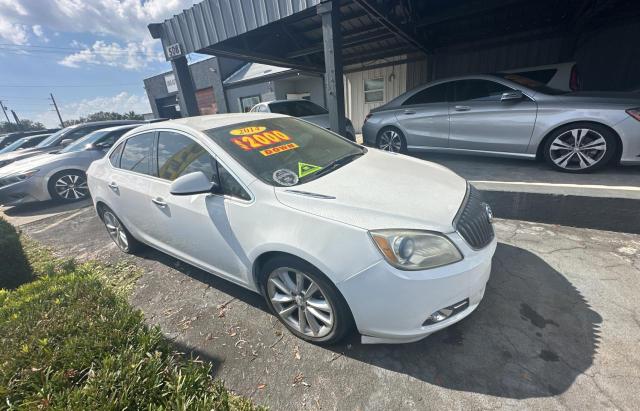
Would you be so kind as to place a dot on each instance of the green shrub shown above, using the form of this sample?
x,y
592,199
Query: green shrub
x,y
14,267
69,341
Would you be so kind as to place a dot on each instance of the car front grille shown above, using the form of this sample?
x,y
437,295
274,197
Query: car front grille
x,y
473,221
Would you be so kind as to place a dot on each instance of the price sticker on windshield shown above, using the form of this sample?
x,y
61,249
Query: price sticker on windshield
x,y
261,140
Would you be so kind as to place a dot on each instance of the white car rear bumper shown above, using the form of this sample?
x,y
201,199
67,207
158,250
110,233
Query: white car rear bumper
x,y
390,306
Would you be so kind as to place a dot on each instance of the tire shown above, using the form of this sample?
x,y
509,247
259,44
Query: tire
x,y
68,186
580,147
391,139
118,232
325,302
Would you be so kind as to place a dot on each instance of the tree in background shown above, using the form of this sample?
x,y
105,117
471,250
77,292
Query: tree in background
x,y
25,125
105,115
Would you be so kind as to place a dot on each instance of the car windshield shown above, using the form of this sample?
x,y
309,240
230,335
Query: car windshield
x,y
285,151
82,143
15,145
52,138
532,84
301,108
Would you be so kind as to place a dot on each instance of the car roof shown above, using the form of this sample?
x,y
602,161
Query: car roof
x,y
208,122
293,100
27,138
120,127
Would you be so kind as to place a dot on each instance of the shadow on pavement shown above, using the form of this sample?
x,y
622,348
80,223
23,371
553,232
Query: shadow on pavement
x,y
43,207
532,335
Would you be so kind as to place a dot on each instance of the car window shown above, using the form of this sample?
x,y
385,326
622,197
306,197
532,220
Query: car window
x,y
230,185
542,76
297,108
285,151
136,154
480,90
114,158
179,155
435,94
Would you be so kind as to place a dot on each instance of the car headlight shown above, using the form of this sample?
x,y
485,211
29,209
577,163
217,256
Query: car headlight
x,y
414,249
17,177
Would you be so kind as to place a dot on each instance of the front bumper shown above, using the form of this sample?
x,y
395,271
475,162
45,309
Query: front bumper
x,y
391,306
629,132
27,191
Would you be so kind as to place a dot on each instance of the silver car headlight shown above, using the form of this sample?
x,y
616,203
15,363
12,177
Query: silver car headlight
x,y
17,177
415,249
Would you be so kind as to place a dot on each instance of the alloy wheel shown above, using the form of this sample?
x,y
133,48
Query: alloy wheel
x,y
300,302
391,141
71,187
578,149
116,230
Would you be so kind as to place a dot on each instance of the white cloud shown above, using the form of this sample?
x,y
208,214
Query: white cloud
x,y
39,32
13,33
124,19
132,56
120,103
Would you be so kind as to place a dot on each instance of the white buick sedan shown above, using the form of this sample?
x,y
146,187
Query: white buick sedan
x,y
334,235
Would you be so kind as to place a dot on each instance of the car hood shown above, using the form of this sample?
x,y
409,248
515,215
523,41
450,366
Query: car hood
x,y
605,97
37,161
383,190
26,153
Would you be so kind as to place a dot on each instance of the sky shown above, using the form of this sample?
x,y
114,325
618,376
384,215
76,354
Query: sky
x,y
91,54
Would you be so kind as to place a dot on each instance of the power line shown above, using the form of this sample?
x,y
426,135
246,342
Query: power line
x,y
69,85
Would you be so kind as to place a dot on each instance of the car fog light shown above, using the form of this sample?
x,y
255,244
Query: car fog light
x,y
446,312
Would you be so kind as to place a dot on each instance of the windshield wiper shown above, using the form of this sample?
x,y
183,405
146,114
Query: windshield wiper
x,y
335,164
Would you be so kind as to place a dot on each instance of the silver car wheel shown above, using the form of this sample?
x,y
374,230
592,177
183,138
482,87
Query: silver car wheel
x,y
115,229
578,149
300,302
390,140
71,187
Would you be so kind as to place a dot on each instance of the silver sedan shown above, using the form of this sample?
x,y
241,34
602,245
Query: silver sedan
x,y
59,175
511,116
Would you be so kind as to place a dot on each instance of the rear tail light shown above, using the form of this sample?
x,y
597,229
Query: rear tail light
x,y
367,117
634,112
574,80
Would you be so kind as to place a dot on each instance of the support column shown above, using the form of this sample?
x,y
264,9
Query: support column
x,y
218,87
334,80
186,89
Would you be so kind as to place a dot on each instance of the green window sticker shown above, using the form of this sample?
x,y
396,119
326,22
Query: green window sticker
x,y
305,169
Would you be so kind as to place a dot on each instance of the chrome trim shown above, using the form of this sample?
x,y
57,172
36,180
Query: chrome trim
x,y
308,194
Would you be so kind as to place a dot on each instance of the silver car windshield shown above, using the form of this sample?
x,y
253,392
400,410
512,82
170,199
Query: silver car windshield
x,y
53,137
85,142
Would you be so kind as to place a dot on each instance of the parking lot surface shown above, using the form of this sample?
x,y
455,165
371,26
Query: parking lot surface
x,y
558,328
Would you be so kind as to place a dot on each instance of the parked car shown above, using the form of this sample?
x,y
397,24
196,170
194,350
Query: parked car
x,y
60,175
305,110
562,76
24,142
512,116
9,138
60,139
285,208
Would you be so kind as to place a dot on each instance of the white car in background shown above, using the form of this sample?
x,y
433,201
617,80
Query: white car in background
x,y
312,221
305,110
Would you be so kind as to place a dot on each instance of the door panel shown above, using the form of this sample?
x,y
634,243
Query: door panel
x,y
195,228
479,120
424,117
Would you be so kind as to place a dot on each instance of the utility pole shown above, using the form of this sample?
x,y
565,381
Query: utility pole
x,y
57,111
15,116
4,110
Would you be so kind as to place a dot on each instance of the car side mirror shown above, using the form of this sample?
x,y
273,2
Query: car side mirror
x,y
512,95
66,142
192,183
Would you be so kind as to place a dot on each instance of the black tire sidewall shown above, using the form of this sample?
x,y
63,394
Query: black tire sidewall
x,y
52,181
610,138
133,244
403,140
342,315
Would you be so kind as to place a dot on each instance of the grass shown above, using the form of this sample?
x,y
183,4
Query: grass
x,y
70,340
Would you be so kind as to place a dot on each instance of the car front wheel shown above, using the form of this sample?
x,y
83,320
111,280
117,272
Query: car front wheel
x,y
67,186
305,301
580,148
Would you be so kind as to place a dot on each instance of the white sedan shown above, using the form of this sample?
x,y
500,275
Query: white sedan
x,y
334,235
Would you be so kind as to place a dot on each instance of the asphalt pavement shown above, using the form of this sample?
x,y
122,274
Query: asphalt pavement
x,y
559,327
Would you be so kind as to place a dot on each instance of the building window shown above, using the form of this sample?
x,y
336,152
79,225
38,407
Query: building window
x,y
374,90
247,103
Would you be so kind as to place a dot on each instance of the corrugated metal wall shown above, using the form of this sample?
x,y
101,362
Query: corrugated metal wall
x,y
395,83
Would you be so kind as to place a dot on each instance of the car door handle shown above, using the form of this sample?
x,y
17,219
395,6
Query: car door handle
x,y
462,108
113,186
409,112
158,201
